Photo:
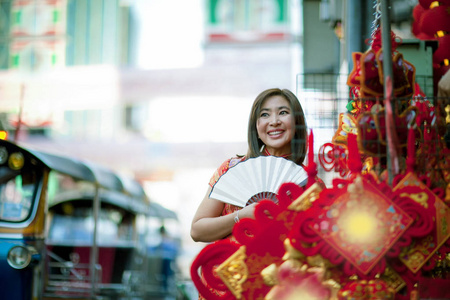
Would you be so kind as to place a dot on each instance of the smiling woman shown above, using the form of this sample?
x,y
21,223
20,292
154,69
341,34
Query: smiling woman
x,y
276,127
285,106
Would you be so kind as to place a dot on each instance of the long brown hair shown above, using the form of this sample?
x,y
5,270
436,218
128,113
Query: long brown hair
x,y
298,143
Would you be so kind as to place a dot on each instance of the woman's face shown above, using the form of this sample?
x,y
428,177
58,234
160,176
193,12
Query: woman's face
x,y
275,125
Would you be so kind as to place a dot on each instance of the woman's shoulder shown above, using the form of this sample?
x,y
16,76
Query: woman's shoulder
x,y
235,160
231,162
224,167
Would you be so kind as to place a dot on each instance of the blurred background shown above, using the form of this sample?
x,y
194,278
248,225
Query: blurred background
x,y
161,89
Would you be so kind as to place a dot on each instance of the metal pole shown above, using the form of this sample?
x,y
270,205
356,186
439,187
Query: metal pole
x,y
353,29
392,158
19,118
386,42
94,249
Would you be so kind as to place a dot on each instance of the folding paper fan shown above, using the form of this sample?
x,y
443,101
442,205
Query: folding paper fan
x,y
255,179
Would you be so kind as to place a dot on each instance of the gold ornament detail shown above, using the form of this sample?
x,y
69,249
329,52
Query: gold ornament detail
x,y
234,272
393,279
291,252
318,261
269,275
306,199
420,198
447,111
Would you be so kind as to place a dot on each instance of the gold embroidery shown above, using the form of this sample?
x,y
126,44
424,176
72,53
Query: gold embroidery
x,y
234,272
420,198
258,262
393,279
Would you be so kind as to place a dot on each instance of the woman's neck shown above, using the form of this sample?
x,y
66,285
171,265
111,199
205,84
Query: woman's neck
x,y
267,153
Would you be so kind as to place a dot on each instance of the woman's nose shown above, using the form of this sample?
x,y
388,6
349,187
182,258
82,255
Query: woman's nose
x,y
275,120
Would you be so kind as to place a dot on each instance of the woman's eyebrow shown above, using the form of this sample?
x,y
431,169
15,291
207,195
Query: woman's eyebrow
x,y
279,108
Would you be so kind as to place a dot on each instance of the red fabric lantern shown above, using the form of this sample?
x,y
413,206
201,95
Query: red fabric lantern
x,y
427,3
434,20
443,51
415,28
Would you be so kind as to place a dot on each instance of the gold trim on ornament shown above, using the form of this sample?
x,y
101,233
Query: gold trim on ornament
x,y
305,200
234,272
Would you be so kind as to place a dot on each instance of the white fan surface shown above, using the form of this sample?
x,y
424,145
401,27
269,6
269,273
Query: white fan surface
x,y
263,174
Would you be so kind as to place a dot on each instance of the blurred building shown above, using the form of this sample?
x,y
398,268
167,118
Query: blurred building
x,y
40,35
45,50
94,70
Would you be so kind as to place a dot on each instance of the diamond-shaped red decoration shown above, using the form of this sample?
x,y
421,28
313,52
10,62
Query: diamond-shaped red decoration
x,y
361,224
422,249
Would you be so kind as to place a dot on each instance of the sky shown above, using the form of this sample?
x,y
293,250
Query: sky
x,y
170,38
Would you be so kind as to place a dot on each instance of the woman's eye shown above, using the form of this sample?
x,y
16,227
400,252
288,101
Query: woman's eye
x,y
263,115
284,112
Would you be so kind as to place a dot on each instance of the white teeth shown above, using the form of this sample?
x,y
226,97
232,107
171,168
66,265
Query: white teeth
x,y
275,132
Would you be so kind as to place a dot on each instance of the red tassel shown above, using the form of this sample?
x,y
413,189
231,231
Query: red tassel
x,y
311,168
354,159
310,147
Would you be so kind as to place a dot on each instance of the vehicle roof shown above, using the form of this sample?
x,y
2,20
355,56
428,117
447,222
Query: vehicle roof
x,y
109,180
88,171
117,199
153,209
159,211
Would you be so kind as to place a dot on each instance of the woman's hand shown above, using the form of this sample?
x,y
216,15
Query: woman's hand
x,y
248,211
208,224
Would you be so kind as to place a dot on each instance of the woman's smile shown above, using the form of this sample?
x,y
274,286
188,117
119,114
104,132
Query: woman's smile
x,y
275,133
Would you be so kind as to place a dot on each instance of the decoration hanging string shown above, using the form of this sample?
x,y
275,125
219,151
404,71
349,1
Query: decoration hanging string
x,y
377,14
